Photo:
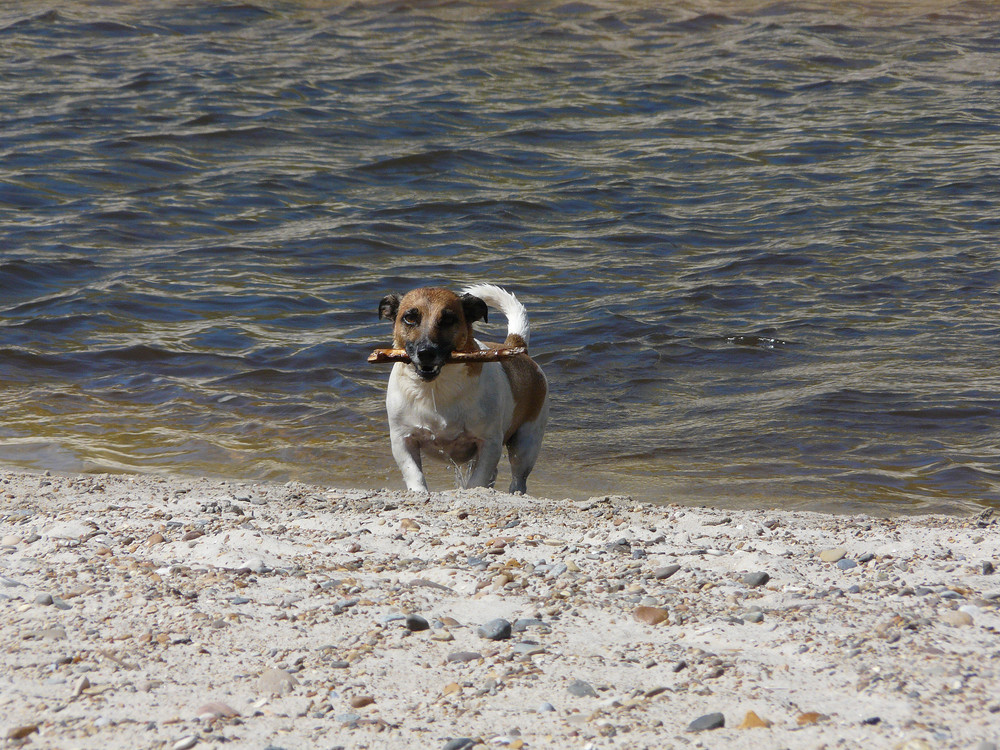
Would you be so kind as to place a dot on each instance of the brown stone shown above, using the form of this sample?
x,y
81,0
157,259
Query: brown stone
x,y
360,701
753,721
651,615
19,733
810,717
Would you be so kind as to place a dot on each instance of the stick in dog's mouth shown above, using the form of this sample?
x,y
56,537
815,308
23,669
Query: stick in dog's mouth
x,y
381,356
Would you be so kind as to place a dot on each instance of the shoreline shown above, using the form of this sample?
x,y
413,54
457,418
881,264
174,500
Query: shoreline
x,y
142,611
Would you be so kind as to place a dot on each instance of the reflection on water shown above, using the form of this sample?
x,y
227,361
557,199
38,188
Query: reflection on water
x,y
757,241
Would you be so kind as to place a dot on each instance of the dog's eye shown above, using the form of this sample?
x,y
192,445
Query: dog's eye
x,y
411,318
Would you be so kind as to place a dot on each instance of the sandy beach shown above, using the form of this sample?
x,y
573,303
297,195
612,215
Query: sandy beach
x,y
147,612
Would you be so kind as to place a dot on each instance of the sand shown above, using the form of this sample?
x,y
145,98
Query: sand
x,y
147,612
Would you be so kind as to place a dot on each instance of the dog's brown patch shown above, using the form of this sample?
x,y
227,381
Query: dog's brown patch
x,y
529,387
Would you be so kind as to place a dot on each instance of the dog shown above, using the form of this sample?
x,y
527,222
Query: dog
x,y
466,413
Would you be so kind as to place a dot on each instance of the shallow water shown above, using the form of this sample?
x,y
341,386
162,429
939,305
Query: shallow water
x,y
757,242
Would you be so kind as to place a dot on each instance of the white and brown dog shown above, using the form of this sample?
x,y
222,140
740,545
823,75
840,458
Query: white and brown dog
x,y
468,412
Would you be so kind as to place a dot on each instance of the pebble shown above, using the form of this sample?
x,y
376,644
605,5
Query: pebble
x,y
651,615
665,572
581,689
846,564
753,721
810,717
216,710
495,630
546,708
255,565
360,701
707,722
416,623
21,732
461,657
82,684
276,682
833,555
528,649
753,580
754,617
956,618
185,743
523,623
43,599
459,743
10,541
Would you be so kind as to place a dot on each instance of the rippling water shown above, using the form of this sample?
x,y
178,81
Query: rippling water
x,y
758,241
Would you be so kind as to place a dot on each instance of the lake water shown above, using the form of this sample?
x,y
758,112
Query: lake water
x,y
758,241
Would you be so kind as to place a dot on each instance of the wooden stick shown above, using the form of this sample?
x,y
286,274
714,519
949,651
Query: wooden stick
x,y
380,356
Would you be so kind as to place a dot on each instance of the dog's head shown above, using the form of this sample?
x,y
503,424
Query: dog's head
x,y
431,323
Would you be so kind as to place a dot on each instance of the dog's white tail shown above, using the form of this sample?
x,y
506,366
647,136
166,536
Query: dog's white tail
x,y
505,302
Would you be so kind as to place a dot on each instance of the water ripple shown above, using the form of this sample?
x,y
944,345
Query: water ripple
x,y
756,240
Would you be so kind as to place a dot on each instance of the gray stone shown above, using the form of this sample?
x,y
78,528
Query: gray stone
x,y
546,708
342,605
753,580
416,623
276,682
495,630
754,617
706,722
523,623
581,689
43,599
461,657
459,743
528,649
846,564
665,572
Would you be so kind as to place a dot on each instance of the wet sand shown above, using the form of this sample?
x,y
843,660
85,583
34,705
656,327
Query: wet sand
x,y
140,611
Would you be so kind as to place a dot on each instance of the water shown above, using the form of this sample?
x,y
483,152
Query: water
x,y
757,241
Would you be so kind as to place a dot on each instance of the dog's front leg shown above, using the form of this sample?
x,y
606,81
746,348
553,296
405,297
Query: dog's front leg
x,y
485,473
406,451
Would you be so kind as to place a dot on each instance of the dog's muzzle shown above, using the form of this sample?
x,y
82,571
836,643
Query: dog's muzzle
x,y
428,359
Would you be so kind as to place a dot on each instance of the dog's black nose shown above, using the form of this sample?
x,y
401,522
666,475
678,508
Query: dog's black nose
x,y
426,355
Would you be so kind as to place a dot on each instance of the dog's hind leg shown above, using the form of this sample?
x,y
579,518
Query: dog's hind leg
x,y
523,448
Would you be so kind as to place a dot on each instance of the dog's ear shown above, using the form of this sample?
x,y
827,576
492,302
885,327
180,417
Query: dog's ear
x,y
388,307
475,309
